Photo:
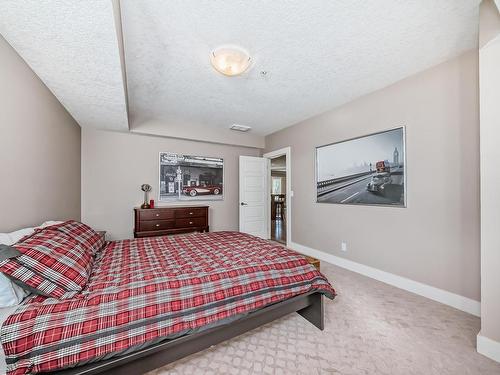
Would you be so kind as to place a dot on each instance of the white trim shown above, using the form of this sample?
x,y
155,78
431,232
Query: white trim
x,y
287,151
488,347
451,299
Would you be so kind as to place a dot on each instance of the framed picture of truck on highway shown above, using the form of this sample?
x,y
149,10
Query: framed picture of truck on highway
x,y
368,170
190,177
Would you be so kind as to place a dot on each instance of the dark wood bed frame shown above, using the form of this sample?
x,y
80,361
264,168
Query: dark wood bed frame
x,y
309,305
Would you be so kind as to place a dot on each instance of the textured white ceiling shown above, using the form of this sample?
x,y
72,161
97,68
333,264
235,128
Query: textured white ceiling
x,y
318,54
72,46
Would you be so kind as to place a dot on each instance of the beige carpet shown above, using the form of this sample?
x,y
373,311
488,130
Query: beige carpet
x,y
371,328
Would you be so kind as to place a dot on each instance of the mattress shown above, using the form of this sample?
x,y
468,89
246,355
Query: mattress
x,y
146,290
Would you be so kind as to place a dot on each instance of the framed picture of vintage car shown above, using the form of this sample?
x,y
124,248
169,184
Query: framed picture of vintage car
x,y
189,177
367,170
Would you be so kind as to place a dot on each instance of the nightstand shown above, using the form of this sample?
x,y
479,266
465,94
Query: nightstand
x,y
313,261
102,233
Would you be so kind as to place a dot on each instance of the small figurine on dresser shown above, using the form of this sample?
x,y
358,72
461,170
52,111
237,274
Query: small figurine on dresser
x,y
146,188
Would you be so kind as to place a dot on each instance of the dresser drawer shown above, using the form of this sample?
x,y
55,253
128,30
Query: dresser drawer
x,y
190,222
156,214
151,225
190,212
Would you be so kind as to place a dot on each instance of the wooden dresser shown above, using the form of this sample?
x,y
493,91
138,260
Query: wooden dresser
x,y
162,221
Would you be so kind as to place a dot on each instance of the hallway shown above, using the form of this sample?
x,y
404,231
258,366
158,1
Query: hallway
x,y
278,231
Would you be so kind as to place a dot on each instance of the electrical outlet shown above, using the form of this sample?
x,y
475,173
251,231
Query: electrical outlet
x,y
343,246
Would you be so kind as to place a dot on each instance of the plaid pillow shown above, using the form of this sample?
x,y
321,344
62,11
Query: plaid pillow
x,y
31,281
51,263
85,235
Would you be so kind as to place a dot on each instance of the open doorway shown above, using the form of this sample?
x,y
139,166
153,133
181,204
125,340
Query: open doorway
x,y
278,199
279,195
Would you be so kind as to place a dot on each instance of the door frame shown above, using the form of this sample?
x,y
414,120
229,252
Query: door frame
x,y
287,151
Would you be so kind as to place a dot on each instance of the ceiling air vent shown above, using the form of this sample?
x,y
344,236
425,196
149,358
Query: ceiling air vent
x,y
240,128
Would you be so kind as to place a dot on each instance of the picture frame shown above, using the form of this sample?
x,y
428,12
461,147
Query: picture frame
x,y
186,177
365,170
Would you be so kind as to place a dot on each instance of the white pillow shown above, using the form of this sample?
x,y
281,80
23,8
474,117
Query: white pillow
x,y
12,294
13,237
46,224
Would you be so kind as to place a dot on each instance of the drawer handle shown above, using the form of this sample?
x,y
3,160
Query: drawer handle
x,y
190,213
191,222
157,225
157,215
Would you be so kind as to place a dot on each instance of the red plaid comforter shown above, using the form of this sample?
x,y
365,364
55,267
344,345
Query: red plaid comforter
x,y
146,290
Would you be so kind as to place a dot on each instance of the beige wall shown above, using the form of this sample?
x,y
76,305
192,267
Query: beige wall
x,y
114,165
39,149
435,240
489,68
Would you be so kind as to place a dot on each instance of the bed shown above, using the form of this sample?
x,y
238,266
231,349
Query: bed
x,y
151,301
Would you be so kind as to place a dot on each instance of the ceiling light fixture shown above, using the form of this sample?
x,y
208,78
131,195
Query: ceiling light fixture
x,y
230,60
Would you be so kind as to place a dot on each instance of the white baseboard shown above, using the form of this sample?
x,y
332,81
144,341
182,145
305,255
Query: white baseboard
x,y
488,347
451,299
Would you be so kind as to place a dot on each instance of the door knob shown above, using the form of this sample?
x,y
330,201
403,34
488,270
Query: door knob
x,y
244,204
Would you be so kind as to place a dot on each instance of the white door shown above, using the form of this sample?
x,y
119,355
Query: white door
x,y
254,196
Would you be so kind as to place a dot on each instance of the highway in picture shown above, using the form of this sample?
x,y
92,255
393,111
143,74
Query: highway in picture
x,y
353,189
